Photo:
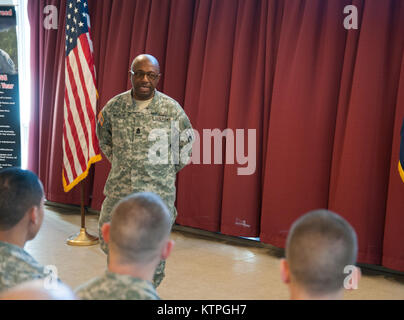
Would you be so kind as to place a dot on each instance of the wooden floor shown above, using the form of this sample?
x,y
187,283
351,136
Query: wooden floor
x,y
199,268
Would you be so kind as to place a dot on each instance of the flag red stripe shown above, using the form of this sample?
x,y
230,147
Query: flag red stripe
x,y
88,54
81,121
73,128
71,159
65,174
90,108
89,57
80,108
68,151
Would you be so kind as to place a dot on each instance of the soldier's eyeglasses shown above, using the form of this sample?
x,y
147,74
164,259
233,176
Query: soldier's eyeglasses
x,y
139,74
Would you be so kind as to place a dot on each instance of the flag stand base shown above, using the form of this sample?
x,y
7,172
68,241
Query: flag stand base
x,y
82,239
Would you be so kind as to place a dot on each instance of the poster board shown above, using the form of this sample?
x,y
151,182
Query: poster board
x,y
10,132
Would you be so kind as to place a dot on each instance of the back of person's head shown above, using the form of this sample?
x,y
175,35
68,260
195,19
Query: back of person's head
x,y
38,290
319,246
20,191
139,228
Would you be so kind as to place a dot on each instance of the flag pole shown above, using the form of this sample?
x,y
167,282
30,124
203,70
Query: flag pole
x,y
82,209
80,86
82,238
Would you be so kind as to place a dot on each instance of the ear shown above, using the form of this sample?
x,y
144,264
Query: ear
x,y
158,79
33,214
168,246
284,269
106,227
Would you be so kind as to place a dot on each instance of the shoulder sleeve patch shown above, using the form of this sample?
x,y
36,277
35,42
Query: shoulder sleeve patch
x,y
100,119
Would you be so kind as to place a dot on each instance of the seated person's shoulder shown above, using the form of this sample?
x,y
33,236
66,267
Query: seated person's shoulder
x,y
113,286
17,266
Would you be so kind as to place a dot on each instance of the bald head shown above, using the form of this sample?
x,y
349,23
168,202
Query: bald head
x,y
140,225
320,245
145,58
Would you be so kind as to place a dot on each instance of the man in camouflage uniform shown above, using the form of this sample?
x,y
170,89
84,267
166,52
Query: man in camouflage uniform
x,y
21,216
147,137
138,238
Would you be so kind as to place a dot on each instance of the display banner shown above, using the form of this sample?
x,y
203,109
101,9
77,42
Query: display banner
x,y
10,142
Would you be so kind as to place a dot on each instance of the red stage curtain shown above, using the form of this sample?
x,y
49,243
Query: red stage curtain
x,y
326,105
47,87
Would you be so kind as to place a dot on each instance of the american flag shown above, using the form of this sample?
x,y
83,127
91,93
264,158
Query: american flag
x,y
80,143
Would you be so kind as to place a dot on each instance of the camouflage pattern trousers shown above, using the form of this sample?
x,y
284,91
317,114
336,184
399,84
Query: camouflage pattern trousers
x,y
105,216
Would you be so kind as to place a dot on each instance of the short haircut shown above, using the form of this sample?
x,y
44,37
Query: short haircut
x,y
320,245
20,190
139,225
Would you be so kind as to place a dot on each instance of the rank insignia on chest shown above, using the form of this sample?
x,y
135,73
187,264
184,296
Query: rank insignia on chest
x,y
137,131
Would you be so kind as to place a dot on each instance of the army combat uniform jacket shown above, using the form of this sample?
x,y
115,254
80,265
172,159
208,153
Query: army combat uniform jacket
x,y
146,148
114,286
17,266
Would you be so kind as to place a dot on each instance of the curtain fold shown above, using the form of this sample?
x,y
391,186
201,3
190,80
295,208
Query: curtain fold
x,y
209,73
302,117
324,106
47,81
393,253
360,187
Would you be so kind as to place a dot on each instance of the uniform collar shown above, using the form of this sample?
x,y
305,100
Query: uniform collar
x,y
16,251
153,106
